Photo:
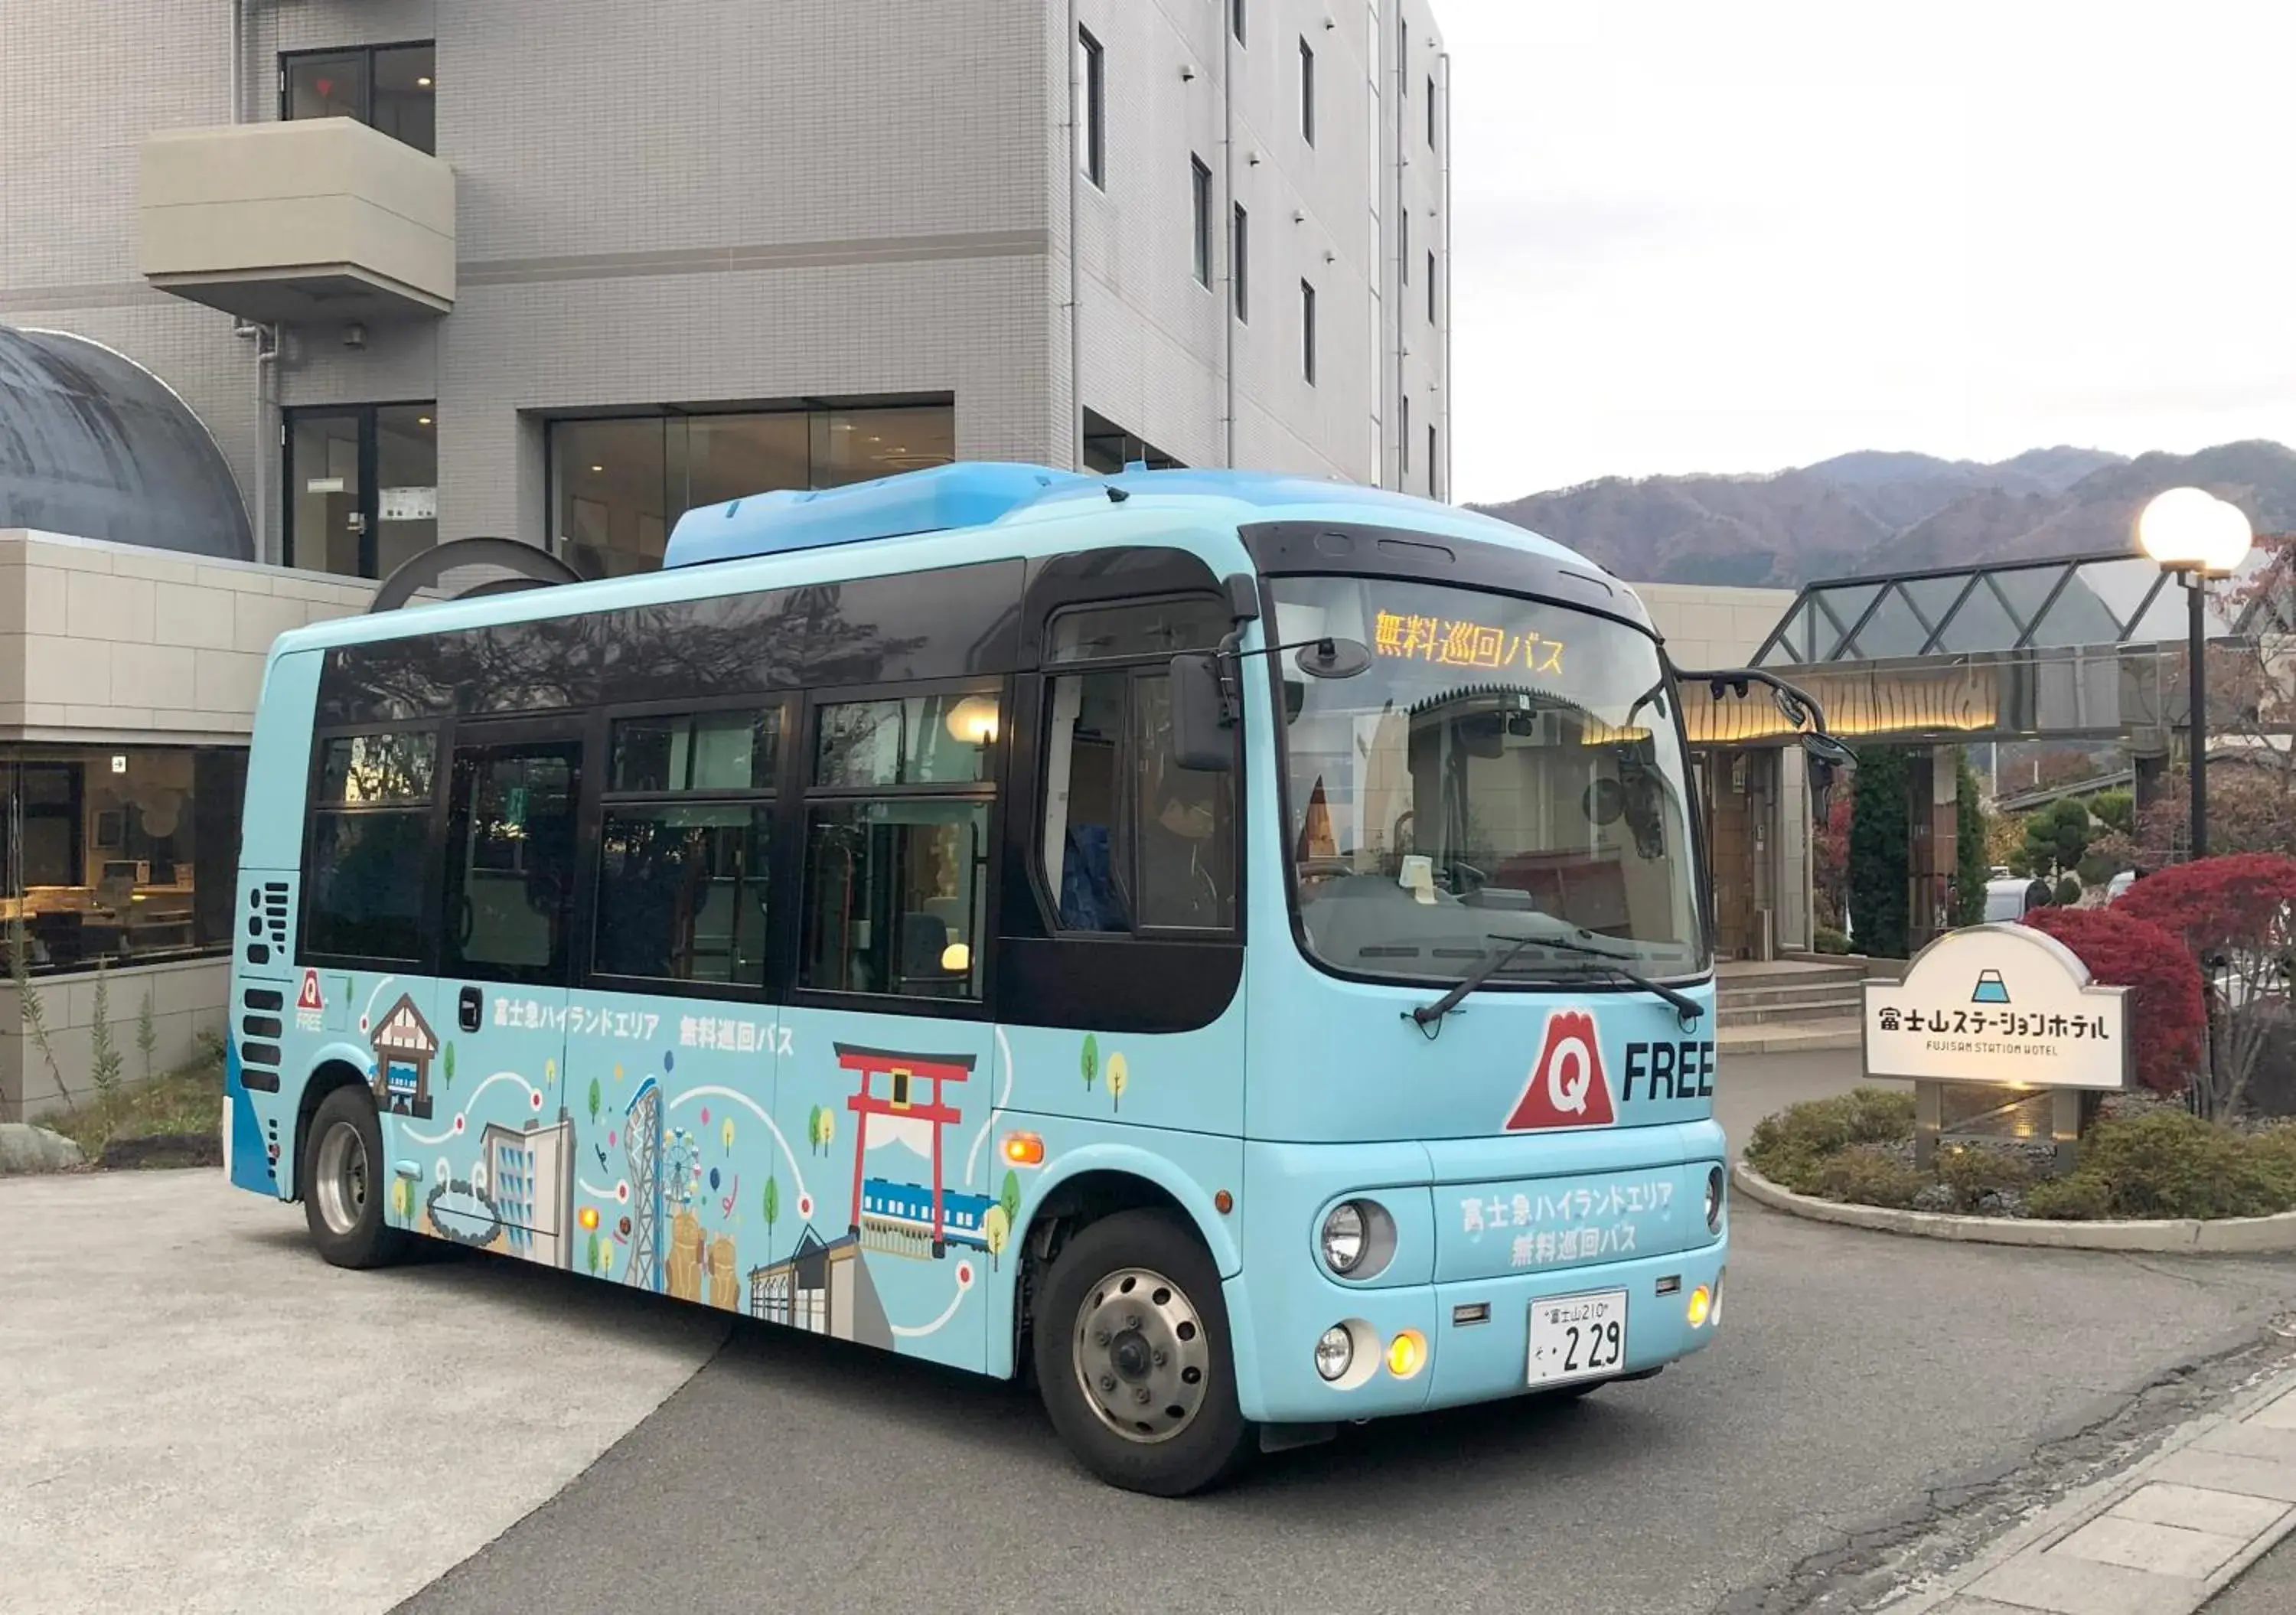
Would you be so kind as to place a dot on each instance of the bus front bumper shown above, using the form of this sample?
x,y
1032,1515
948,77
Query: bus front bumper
x,y
1473,1337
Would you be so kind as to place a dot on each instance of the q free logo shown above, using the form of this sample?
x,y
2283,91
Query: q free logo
x,y
1567,1087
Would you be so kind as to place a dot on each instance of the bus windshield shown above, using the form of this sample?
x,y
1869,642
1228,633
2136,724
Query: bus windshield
x,y
1506,769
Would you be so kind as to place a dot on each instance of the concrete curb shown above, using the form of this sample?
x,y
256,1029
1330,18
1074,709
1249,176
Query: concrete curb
x,y
2228,1236
2239,1454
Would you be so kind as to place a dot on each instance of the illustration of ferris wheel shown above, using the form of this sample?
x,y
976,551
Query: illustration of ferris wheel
x,y
641,1142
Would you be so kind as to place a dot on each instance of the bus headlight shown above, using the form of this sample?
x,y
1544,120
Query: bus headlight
x,y
1357,1240
1335,1352
1714,1200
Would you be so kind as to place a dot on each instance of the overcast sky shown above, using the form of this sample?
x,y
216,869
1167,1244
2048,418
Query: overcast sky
x,y
1741,235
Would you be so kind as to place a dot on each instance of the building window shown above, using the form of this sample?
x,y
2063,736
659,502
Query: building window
x,y
1308,333
1110,447
361,487
682,877
1092,132
1430,112
1403,437
619,484
119,854
1403,58
1238,250
388,87
1307,91
1235,19
897,846
1200,213
1434,486
1402,245
1431,286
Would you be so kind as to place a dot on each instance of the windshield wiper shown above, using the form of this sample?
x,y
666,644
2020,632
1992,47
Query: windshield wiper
x,y
1598,958
1684,1007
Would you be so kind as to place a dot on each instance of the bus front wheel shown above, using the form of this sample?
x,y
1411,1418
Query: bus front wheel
x,y
1133,1358
343,1181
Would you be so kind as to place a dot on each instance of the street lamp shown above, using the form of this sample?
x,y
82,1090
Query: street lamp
x,y
2195,536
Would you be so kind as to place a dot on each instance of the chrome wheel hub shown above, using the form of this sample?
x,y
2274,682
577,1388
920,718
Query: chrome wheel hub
x,y
339,1177
1141,1357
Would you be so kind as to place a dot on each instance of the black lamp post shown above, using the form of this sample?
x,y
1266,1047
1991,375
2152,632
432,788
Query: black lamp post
x,y
2196,537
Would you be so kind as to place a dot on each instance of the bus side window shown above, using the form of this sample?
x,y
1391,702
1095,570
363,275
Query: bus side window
x,y
371,845
1131,841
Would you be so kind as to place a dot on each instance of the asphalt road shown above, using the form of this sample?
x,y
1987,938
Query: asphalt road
x,y
1866,1388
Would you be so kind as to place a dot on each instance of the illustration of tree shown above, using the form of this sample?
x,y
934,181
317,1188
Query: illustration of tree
x,y
1009,1197
996,1228
450,1065
1117,1080
1090,1061
594,1244
828,1128
813,1129
772,1208
597,1099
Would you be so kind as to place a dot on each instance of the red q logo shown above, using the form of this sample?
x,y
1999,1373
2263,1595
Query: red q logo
x,y
1567,1088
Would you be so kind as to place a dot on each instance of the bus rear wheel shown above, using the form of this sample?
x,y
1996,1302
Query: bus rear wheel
x,y
1133,1359
344,1178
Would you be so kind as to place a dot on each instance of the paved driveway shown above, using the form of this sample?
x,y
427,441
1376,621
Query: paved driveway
x,y
286,1448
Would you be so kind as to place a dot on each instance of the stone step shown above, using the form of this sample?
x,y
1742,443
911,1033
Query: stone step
x,y
1851,993
1771,1014
1796,1037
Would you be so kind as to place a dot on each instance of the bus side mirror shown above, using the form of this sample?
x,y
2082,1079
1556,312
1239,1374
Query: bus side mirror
x,y
1202,738
1825,756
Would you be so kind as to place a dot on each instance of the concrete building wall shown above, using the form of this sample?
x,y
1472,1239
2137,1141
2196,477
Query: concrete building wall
x,y
188,998
110,642
692,203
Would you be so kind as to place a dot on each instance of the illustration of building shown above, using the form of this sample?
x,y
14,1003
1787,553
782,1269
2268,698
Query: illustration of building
x,y
530,1180
901,1106
404,1047
685,1257
642,1143
824,1287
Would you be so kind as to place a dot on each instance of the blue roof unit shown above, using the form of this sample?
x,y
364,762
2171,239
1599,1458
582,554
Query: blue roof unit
x,y
931,501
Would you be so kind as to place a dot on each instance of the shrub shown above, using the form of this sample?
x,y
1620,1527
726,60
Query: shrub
x,y
2234,909
2165,1012
1866,1174
2068,889
2171,1163
1790,1147
1969,864
1831,941
1881,839
2079,1197
1973,1171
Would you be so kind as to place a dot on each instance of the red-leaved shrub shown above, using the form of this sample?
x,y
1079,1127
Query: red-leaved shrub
x,y
2165,1011
2232,915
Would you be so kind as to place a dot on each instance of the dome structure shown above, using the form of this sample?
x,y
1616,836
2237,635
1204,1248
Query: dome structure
x,y
93,446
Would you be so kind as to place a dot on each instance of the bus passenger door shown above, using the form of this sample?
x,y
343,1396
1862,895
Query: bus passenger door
x,y
509,922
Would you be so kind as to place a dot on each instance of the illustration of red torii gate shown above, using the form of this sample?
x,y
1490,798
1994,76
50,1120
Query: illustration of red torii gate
x,y
902,1070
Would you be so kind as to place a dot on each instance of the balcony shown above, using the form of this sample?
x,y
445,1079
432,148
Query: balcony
x,y
315,220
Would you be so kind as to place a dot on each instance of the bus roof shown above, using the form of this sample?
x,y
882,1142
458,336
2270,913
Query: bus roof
x,y
947,515
976,495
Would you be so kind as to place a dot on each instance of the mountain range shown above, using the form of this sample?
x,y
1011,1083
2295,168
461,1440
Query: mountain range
x,y
1876,511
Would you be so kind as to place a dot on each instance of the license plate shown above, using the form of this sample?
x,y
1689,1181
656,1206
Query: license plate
x,y
1577,1337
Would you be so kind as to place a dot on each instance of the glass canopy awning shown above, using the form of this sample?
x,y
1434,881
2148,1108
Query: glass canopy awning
x,y
2087,646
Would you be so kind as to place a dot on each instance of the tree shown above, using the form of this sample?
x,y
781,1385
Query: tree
x,y
1969,863
2114,809
1089,1060
448,1062
1830,852
597,1100
813,1136
771,1209
1880,836
2165,1016
996,1229
592,1263
828,1128
1009,1197
1119,1080
2232,917
2056,839
2249,811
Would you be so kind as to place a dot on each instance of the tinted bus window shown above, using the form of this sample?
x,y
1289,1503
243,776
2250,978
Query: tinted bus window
x,y
371,846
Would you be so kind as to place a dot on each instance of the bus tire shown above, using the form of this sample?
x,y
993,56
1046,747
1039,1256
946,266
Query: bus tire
x,y
1133,1358
344,1173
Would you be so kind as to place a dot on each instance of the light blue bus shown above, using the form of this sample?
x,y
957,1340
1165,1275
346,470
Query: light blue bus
x,y
1231,948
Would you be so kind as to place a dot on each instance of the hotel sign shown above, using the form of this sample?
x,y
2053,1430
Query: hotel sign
x,y
2003,1005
